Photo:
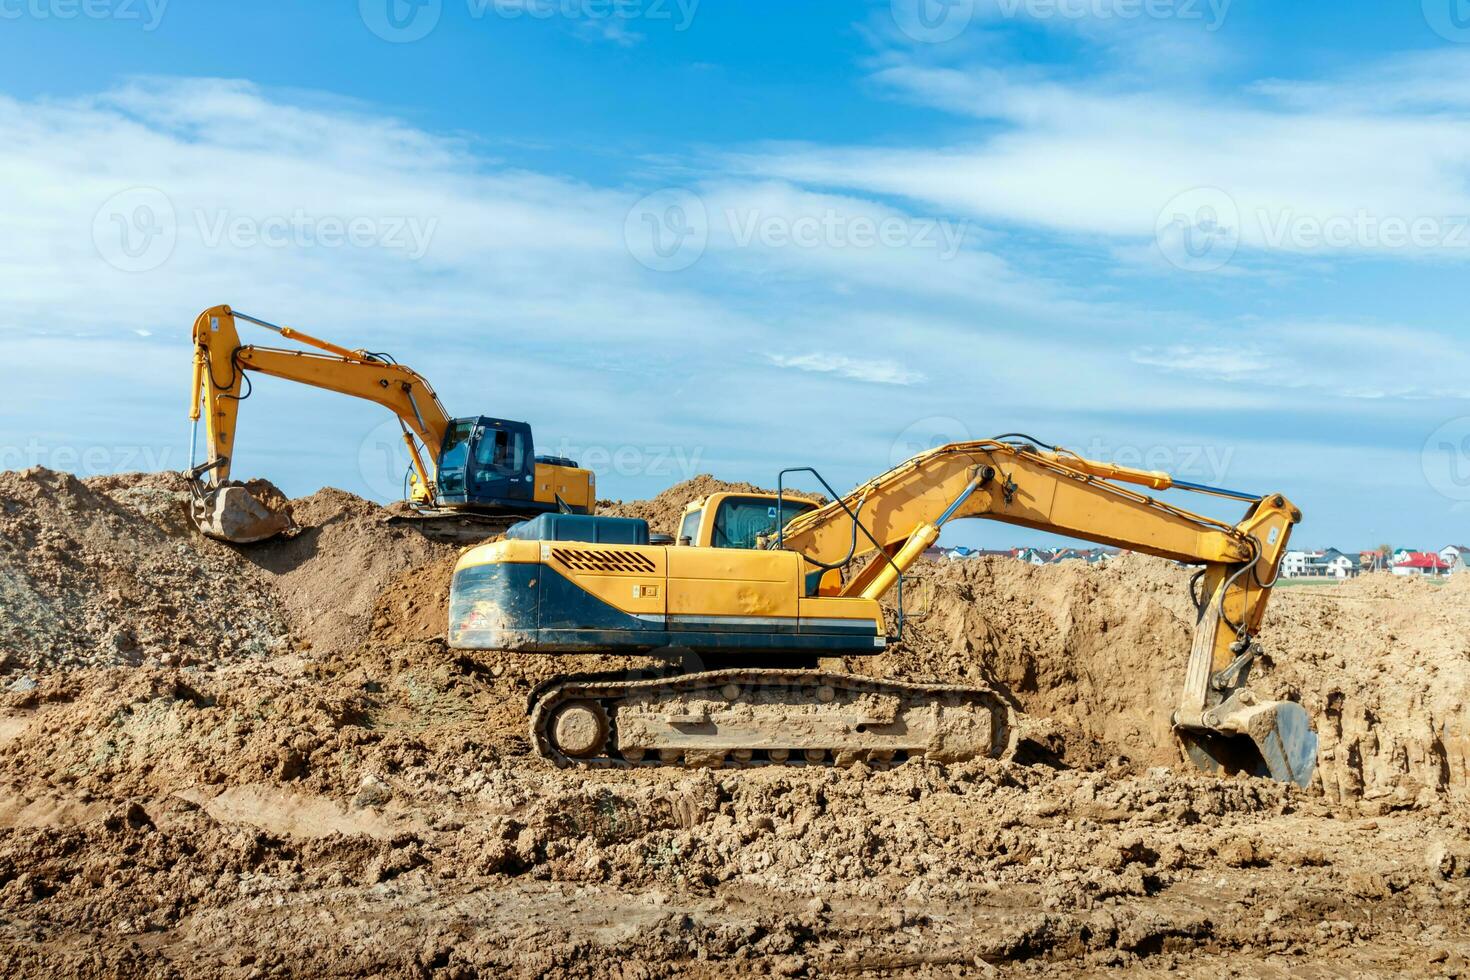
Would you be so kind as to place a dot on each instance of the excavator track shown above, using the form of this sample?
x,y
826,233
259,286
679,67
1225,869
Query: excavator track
x,y
744,718
456,526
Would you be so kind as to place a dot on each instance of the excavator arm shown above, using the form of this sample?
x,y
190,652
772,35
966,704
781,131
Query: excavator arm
x,y
221,365
897,515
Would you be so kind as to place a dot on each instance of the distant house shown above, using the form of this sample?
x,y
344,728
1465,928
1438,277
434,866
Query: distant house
x,y
1456,557
1421,563
1334,564
1035,556
1294,563
1320,564
960,552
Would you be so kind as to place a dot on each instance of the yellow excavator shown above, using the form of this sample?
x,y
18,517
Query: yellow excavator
x,y
757,587
469,477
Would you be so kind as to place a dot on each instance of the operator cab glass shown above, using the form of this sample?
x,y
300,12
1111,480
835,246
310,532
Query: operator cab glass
x,y
741,521
487,461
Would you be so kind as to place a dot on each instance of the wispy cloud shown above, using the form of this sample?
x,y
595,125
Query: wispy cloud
x,y
877,371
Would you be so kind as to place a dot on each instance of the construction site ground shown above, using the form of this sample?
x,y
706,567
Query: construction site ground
x,y
264,761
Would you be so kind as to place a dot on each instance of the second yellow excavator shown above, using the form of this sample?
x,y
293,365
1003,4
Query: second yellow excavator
x,y
478,473
757,587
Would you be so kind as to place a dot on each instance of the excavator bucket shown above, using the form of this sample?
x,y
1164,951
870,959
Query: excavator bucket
x,y
1261,738
234,514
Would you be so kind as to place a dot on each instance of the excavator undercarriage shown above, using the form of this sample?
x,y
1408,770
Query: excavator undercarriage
x,y
741,717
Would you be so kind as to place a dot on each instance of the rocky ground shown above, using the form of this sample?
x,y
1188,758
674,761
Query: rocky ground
x,y
265,761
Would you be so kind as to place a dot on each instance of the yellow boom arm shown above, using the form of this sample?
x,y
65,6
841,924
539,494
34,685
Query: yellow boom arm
x,y
220,363
1056,491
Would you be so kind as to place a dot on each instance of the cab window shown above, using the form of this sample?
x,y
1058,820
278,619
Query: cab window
x,y
454,455
741,520
500,450
689,527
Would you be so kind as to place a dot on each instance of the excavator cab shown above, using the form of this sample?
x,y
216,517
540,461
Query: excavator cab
x,y
738,520
487,461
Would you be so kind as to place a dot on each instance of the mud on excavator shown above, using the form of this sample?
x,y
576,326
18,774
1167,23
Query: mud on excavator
x,y
469,478
758,587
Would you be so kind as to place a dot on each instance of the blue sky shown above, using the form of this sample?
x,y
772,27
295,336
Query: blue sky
x,y
1226,239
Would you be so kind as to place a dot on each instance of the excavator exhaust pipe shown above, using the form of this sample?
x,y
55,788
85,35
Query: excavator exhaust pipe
x,y
232,513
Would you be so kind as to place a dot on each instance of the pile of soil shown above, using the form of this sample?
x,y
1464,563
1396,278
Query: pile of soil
x,y
295,775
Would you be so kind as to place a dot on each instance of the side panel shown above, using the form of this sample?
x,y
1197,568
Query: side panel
x,y
726,588
625,580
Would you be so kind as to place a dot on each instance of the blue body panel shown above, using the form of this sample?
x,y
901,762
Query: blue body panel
x,y
581,527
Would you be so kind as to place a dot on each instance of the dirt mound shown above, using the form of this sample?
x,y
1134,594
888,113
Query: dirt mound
x,y
108,572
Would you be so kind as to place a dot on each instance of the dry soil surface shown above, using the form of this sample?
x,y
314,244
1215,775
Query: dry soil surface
x,y
265,762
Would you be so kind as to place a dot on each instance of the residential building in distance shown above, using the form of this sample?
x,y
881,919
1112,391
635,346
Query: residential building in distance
x,y
1456,558
1421,563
